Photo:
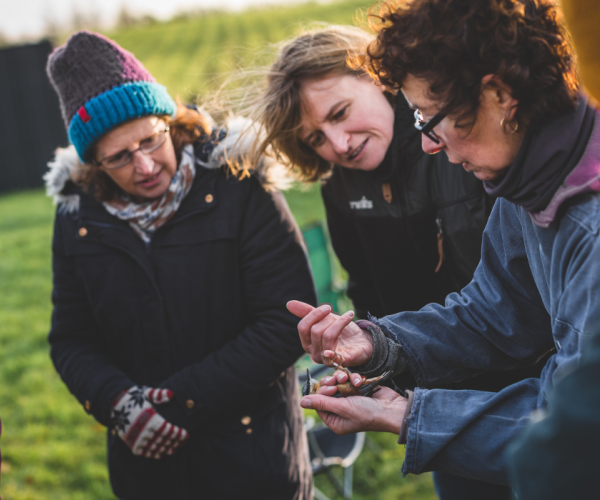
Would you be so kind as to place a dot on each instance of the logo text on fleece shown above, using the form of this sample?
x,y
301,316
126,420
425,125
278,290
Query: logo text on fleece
x,y
362,204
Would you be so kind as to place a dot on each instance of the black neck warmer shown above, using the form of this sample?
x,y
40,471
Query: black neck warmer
x,y
548,154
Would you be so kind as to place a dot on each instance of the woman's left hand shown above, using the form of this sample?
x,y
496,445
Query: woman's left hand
x,y
382,412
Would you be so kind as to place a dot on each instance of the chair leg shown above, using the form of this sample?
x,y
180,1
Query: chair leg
x,y
319,495
336,482
348,483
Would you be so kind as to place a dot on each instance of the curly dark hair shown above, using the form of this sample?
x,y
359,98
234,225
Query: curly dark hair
x,y
453,44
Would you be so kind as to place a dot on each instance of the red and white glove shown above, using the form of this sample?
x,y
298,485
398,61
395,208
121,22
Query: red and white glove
x,y
138,424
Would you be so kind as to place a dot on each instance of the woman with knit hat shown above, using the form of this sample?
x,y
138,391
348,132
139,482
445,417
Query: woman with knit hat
x,y
170,282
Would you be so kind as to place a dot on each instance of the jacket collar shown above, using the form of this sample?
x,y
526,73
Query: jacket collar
x,y
201,198
211,153
549,153
584,178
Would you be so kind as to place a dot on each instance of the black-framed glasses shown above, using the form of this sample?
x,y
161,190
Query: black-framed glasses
x,y
147,146
427,127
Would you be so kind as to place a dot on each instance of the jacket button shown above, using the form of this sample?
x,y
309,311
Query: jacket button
x,y
82,231
209,198
248,431
87,405
246,420
189,403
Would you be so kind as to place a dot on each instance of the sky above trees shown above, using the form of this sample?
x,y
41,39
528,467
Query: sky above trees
x,y
28,19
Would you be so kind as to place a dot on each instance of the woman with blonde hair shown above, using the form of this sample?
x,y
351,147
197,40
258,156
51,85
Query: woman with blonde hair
x,y
406,225
329,122
171,277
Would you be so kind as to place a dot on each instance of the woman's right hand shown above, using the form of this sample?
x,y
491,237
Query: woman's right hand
x,y
383,412
139,425
322,332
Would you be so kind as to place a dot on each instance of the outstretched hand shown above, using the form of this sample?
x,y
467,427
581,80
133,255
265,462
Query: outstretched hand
x,y
322,332
383,412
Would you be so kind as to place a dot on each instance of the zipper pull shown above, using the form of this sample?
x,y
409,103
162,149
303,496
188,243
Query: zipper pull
x,y
386,190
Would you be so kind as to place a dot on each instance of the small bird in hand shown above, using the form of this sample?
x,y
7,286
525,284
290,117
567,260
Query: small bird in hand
x,y
368,387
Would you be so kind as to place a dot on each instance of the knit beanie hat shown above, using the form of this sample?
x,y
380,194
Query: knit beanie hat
x,y
100,86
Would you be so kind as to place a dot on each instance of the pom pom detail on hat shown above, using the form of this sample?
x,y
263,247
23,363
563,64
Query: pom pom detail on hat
x,y
100,86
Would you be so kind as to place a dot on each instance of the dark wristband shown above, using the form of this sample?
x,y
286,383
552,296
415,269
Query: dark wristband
x,y
403,434
387,354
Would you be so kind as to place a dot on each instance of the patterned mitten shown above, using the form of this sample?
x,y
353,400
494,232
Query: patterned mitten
x,y
138,424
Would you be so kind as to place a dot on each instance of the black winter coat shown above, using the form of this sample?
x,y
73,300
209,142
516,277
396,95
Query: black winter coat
x,y
201,311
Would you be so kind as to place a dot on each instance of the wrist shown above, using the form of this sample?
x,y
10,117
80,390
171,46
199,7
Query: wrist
x,y
375,361
393,416
403,433
118,397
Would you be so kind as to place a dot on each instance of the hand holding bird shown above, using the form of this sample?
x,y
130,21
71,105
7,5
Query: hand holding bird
x,y
346,383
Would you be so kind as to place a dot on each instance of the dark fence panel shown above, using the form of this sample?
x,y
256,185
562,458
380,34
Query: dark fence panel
x,y
31,127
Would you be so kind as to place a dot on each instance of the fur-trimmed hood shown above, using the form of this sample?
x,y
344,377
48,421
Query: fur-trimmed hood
x,y
241,134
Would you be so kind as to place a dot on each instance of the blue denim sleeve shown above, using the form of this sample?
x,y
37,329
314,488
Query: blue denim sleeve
x,y
533,288
556,457
467,432
497,322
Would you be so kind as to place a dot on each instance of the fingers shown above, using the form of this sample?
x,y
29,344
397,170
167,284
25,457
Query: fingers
x,y
165,441
158,396
356,379
321,402
311,328
338,377
298,308
328,381
331,334
152,436
328,390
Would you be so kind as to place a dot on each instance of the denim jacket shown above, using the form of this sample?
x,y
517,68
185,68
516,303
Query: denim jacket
x,y
537,288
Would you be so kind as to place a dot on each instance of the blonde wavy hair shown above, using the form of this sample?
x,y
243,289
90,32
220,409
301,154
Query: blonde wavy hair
x,y
276,110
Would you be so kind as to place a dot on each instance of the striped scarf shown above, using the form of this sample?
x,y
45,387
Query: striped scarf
x,y
145,218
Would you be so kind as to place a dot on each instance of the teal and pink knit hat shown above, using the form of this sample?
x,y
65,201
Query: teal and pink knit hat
x,y
100,86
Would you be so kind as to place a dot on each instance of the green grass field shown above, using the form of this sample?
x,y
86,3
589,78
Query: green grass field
x,y
51,449
191,55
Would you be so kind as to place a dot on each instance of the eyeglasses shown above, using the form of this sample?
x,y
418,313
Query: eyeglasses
x,y
427,127
147,146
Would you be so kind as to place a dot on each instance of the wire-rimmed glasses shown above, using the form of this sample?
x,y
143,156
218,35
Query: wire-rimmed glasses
x,y
147,146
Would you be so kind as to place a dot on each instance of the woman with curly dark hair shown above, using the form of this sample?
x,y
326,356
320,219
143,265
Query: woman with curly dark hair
x,y
494,86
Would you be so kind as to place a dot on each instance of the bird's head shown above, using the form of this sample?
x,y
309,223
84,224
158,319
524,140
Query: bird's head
x,y
311,386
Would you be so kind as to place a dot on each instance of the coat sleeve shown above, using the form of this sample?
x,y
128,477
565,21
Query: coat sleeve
x,y
557,457
498,320
361,288
75,348
275,270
